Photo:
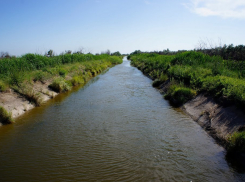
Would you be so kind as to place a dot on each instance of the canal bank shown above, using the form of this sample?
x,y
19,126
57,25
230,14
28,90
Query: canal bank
x,y
215,97
217,118
30,89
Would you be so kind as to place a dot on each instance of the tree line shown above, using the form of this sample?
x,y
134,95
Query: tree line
x,y
227,52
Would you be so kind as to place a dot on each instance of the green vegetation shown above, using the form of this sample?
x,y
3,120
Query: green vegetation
x,y
5,117
32,62
197,72
31,68
179,94
60,85
3,86
28,92
237,142
227,52
60,73
193,72
77,80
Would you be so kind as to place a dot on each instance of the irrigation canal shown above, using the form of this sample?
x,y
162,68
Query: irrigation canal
x,y
116,128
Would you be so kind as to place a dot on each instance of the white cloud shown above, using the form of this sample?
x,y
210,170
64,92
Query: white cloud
x,y
222,8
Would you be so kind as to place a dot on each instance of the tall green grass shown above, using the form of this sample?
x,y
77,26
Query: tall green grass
x,y
179,94
14,71
32,62
237,142
62,71
5,117
197,71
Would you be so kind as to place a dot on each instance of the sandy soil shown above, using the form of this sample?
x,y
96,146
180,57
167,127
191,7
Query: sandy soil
x,y
18,104
218,120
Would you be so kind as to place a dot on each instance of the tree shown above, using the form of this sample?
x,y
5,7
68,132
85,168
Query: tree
x,y
50,53
106,52
136,52
68,52
4,55
116,53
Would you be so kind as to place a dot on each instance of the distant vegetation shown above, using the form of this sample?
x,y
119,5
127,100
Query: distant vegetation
x,y
226,52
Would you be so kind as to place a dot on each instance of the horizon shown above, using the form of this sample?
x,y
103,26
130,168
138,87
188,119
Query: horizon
x,y
121,25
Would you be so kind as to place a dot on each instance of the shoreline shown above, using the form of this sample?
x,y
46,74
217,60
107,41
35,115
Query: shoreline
x,y
217,119
15,103
18,104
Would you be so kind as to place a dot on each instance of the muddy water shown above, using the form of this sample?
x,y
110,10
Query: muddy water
x,y
117,128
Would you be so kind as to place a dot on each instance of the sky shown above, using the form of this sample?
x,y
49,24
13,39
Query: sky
x,y
36,26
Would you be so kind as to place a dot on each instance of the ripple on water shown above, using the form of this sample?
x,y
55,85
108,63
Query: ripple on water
x,y
118,128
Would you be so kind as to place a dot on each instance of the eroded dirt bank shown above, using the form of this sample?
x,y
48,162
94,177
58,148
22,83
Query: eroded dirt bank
x,y
18,104
218,120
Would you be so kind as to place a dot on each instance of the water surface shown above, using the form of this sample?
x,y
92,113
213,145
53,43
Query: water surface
x,y
117,128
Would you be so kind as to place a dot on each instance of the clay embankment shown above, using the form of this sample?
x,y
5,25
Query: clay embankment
x,y
18,104
30,80
219,120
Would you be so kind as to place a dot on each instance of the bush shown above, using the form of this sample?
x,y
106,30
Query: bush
x,y
5,117
60,85
237,142
77,80
157,83
62,72
220,78
3,86
40,76
16,79
179,94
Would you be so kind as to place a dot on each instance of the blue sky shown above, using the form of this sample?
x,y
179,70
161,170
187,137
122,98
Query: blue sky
x,y
35,26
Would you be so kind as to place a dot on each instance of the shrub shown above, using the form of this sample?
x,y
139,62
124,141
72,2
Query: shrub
x,y
220,78
5,117
3,86
163,77
60,85
40,76
237,142
62,72
157,83
16,78
77,80
179,94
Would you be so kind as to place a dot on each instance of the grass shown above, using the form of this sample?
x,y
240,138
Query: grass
x,y
237,142
31,67
29,94
200,72
63,72
179,94
3,86
60,85
5,117
77,80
